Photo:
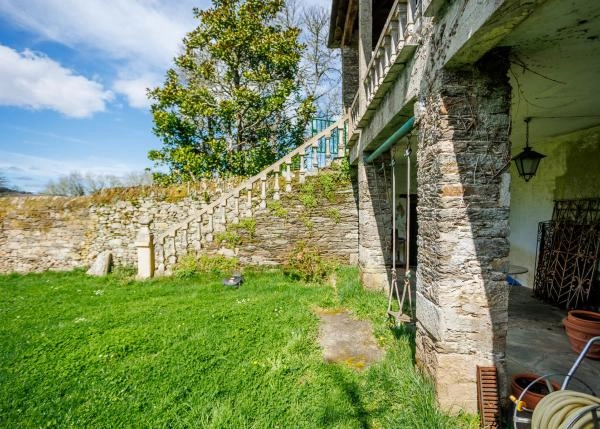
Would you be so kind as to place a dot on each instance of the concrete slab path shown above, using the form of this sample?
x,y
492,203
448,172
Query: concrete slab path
x,y
346,340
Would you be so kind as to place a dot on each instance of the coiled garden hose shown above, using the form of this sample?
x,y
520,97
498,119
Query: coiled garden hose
x,y
564,409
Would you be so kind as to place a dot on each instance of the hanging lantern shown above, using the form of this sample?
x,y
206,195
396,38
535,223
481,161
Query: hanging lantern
x,y
527,162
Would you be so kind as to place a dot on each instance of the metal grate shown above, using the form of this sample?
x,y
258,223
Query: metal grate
x,y
568,255
584,211
567,266
488,402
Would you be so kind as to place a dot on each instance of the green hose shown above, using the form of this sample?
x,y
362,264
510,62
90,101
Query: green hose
x,y
565,408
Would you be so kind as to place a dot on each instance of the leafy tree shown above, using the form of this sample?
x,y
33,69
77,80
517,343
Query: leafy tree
x,y
231,104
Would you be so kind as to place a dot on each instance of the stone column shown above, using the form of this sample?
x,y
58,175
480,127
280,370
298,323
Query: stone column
x,y
374,224
350,76
145,250
365,46
462,295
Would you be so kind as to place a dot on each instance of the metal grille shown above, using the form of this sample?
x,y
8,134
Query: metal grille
x,y
488,402
584,211
569,255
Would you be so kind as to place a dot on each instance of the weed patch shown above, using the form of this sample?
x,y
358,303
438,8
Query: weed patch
x,y
306,262
189,265
334,214
236,234
277,209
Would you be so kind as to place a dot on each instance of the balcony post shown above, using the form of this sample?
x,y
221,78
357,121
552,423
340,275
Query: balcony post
x,y
365,46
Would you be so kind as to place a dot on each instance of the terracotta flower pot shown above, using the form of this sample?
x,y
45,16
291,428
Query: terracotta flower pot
x,y
585,318
535,393
581,329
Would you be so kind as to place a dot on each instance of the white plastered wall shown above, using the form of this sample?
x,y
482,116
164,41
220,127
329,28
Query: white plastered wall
x,y
570,170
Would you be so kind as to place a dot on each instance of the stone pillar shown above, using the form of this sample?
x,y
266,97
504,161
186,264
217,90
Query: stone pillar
x,y
374,223
145,250
463,211
365,46
350,76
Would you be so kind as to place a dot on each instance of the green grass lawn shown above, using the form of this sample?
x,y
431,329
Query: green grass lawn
x,y
77,351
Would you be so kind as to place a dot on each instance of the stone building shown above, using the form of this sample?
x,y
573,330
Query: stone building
x,y
479,79
440,95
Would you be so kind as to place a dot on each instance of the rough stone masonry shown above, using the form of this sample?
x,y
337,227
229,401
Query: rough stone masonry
x,y
463,215
57,233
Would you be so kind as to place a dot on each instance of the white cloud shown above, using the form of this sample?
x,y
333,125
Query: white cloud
x,y
32,80
135,89
143,31
137,37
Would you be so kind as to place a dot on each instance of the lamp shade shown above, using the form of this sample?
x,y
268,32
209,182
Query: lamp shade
x,y
527,162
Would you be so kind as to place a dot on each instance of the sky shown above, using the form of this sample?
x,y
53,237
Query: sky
x,y
73,79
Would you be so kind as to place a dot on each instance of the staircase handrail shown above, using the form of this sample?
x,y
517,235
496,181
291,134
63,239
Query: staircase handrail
x,y
251,180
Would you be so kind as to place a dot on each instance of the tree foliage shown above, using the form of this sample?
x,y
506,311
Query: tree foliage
x,y
231,104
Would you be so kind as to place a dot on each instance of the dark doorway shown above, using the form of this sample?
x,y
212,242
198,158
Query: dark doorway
x,y
414,228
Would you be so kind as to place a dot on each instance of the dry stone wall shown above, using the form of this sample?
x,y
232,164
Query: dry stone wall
x,y
41,233
57,233
331,226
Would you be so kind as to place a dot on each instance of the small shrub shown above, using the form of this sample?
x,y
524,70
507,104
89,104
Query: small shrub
x,y
334,214
306,220
216,264
248,224
306,262
277,209
189,265
308,200
237,233
186,267
342,166
323,187
228,238
328,185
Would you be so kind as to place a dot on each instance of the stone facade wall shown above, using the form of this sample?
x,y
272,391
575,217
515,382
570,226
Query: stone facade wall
x,y
115,226
41,233
375,227
332,227
463,213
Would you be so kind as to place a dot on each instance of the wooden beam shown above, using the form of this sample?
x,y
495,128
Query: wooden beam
x,y
351,13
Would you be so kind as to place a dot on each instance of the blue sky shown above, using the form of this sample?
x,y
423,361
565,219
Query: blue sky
x,y
73,78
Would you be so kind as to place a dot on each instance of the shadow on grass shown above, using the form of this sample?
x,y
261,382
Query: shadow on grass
x,y
351,392
406,331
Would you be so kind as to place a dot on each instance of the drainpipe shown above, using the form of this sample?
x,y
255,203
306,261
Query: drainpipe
x,y
391,140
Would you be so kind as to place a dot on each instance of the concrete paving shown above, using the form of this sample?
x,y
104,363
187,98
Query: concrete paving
x,y
346,340
537,341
